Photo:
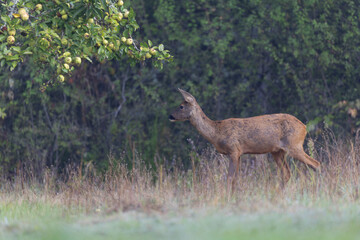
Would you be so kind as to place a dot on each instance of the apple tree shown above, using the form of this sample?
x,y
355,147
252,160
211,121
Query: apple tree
x,y
60,34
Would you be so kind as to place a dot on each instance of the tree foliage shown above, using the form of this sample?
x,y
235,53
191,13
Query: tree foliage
x,y
238,58
59,34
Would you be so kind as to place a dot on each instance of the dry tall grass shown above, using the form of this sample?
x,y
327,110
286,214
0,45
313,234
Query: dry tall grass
x,y
204,185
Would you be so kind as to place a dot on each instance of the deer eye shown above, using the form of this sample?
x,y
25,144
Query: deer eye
x,y
181,107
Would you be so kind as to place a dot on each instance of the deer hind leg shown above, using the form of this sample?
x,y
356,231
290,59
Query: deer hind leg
x,y
299,154
280,161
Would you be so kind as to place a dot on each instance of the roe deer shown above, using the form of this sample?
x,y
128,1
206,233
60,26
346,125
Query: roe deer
x,y
277,134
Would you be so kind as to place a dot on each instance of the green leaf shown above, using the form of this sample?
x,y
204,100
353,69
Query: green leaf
x,y
143,45
98,13
13,65
12,58
79,11
87,58
161,47
310,126
16,49
104,5
135,26
132,13
44,26
149,43
5,18
101,51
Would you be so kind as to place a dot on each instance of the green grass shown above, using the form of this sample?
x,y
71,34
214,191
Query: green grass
x,y
302,223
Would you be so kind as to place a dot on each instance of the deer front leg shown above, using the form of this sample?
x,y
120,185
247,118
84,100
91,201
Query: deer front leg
x,y
233,170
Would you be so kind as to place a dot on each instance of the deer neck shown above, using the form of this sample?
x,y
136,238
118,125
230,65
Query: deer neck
x,y
203,124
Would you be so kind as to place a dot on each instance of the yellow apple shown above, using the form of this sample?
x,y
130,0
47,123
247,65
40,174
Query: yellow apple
x,y
152,51
22,11
129,41
68,59
61,78
77,60
38,7
10,40
12,32
119,16
25,17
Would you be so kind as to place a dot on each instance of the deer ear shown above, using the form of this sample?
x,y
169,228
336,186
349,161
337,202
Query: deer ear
x,y
187,96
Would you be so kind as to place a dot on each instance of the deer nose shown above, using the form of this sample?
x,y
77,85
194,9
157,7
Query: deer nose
x,y
171,118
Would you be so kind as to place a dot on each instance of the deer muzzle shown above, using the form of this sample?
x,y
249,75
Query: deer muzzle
x,y
171,118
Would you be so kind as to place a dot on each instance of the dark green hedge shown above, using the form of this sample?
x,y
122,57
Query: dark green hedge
x,y
239,58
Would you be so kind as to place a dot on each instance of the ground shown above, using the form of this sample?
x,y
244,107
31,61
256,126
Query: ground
x,y
302,223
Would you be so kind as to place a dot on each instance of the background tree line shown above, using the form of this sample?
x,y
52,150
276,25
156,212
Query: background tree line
x,y
238,58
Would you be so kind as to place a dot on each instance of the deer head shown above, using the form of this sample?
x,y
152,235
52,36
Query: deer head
x,y
185,109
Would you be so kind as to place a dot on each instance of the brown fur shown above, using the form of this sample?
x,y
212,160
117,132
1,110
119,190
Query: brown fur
x,y
277,134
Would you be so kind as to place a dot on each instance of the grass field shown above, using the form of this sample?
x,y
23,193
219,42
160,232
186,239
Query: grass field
x,y
193,204
302,223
